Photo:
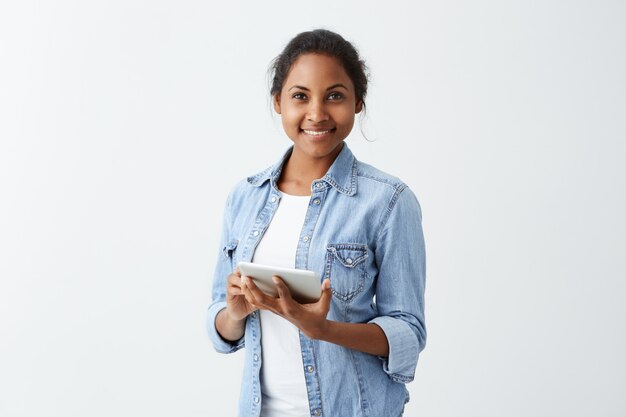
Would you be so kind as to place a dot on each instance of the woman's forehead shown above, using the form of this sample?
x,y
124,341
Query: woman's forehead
x,y
318,70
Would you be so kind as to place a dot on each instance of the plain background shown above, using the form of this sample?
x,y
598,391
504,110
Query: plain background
x,y
123,124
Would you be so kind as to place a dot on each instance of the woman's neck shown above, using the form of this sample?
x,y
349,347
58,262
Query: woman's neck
x,y
300,170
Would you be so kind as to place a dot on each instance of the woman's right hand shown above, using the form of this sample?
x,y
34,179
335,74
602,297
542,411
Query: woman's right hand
x,y
237,307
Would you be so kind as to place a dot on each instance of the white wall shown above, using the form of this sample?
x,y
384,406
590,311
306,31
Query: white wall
x,y
123,124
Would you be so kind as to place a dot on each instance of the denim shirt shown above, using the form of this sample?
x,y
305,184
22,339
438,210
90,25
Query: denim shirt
x,y
362,230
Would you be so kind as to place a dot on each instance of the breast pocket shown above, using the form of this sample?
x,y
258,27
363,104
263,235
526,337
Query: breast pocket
x,y
345,267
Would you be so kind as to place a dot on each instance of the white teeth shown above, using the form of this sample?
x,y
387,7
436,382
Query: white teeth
x,y
314,133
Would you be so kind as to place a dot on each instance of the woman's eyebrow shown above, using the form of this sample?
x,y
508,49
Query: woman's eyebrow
x,y
300,87
336,86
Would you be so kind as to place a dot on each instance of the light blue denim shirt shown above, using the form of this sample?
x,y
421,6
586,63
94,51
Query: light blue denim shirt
x,y
362,230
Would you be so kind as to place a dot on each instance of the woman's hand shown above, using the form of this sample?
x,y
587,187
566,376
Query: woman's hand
x,y
237,307
309,318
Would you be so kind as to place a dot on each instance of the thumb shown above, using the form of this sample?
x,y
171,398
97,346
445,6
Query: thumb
x,y
327,293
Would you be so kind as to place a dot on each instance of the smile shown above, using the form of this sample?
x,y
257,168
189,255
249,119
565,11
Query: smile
x,y
317,132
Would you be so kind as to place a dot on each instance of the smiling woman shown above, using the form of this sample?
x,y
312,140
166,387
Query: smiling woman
x,y
317,107
318,208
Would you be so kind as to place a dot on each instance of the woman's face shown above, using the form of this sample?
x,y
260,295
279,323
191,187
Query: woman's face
x,y
317,105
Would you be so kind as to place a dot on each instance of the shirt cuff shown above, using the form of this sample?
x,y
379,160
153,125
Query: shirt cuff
x,y
219,343
403,349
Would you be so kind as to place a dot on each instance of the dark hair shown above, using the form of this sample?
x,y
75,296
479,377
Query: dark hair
x,y
325,42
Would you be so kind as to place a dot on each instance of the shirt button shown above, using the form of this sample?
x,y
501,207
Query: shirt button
x,y
256,357
316,201
306,238
273,200
318,185
256,400
309,369
317,412
255,233
254,314
349,261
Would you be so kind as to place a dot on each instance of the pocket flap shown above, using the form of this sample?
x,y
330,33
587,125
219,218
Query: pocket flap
x,y
230,247
348,254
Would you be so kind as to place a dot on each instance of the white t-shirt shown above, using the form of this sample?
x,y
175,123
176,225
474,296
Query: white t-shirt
x,y
283,386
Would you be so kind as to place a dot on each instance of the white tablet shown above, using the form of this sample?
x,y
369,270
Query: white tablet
x,y
305,286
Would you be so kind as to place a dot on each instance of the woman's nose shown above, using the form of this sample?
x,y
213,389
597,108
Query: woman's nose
x,y
317,112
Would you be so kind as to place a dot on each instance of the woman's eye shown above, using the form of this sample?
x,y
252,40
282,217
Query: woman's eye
x,y
299,96
335,96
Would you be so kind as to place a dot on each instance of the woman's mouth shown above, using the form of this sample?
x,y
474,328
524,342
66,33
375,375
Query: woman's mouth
x,y
318,132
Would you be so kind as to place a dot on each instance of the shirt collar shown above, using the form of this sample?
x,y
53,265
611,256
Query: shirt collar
x,y
341,175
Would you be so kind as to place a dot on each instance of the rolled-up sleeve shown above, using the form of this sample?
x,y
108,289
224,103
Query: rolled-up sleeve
x,y
223,268
400,256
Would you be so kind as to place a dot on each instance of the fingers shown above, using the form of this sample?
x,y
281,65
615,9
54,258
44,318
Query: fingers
x,y
281,287
234,279
233,291
238,306
245,290
233,287
254,295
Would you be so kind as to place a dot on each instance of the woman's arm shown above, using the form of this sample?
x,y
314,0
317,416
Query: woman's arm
x,y
365,337
401,262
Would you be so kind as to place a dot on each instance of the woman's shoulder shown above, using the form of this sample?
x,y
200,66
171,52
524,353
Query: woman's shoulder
x,y
248,186
370,173
378,184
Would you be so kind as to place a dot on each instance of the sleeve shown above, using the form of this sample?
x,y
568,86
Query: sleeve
x,y
223,268
400,255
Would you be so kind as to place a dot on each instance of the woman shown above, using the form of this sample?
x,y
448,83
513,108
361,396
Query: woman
x,y
318,208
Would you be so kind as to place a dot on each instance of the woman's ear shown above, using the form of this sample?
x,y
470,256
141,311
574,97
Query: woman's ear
x,y
359,106
276,101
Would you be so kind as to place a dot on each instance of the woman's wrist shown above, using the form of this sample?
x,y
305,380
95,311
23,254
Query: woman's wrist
x,y
231,329
234,319
320,331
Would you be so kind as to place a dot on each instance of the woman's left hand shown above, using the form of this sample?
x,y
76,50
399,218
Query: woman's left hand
x,y
309,318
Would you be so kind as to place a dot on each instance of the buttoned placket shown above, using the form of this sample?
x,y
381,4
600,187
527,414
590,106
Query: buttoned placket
x,y
254,325
318,194
319,189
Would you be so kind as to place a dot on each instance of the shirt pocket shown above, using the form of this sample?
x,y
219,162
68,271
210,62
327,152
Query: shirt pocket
x,y
345,267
